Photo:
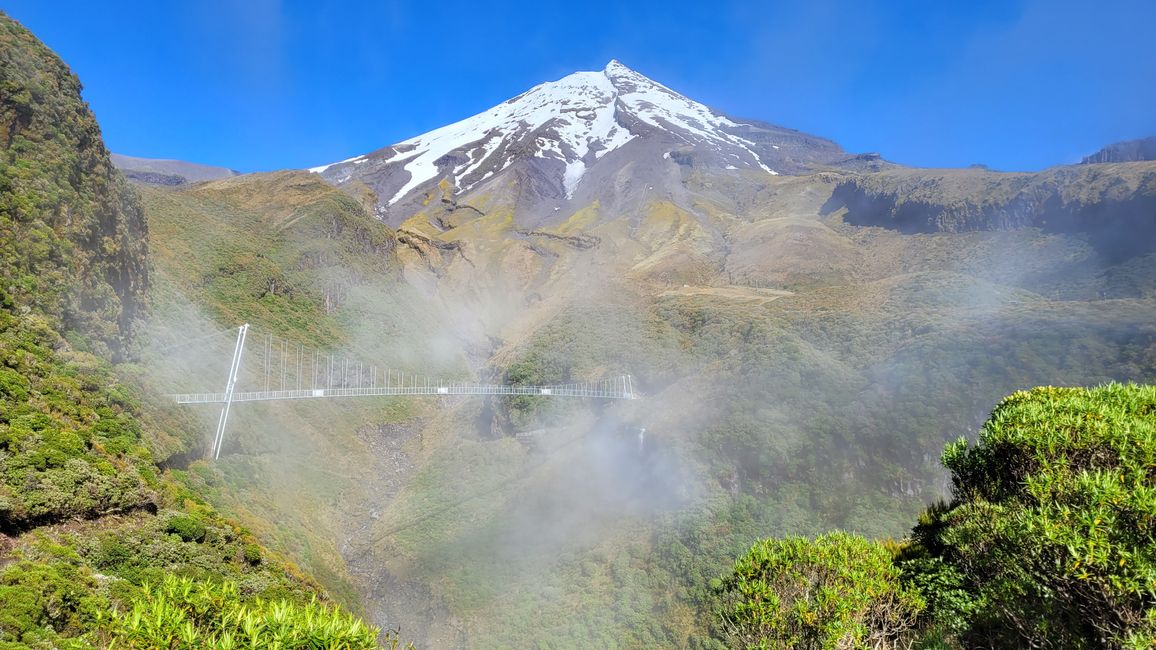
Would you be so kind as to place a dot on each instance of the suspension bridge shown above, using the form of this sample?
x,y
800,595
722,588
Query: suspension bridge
x,y
283,370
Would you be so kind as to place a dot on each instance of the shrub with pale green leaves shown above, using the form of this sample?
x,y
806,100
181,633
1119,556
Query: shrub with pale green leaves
x,y
186,527
835,591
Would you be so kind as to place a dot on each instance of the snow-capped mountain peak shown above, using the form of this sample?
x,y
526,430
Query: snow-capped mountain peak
x,y
562,129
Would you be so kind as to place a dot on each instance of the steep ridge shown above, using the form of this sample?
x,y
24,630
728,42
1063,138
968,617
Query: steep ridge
x,y
72,233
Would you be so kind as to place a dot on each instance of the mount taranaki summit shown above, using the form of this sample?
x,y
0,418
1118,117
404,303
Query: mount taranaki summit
x,y
582,137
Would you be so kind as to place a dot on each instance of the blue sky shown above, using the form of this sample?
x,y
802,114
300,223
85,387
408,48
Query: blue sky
x,y
269,84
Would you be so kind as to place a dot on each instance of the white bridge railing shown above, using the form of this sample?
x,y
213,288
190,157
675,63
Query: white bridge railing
x,y
617,388
302,373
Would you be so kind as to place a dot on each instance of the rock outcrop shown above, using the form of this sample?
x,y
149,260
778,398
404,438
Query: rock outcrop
x,y
1127,151
1113,205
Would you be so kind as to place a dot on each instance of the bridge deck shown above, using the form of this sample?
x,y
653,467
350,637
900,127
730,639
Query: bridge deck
x,y
622,390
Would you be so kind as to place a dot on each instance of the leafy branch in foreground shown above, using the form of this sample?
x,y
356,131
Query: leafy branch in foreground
x,y
1049,541
1053,522
184,613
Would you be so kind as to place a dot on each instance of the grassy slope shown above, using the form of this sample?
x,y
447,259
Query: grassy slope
x,y
302,261
770,403
824,407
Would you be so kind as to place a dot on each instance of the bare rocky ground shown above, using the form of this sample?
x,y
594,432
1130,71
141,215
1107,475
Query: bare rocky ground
x,y
406,606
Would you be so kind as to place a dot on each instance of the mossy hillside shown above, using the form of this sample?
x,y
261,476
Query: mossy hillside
x,y
319,272
87,517
292,278
72,234
73,448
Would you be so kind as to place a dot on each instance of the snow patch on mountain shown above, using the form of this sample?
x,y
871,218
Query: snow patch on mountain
x,y
663,108
355,159
579,110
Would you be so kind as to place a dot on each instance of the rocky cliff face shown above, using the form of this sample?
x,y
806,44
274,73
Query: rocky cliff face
x,y
1113,205
72,232
1128,151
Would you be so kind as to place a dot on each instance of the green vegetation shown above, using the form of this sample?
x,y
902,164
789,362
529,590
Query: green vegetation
x,y
88,519
72,448
48,601
184,613
1053,522
72,233
316,247
1048,542
69,442
836,591
55,600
